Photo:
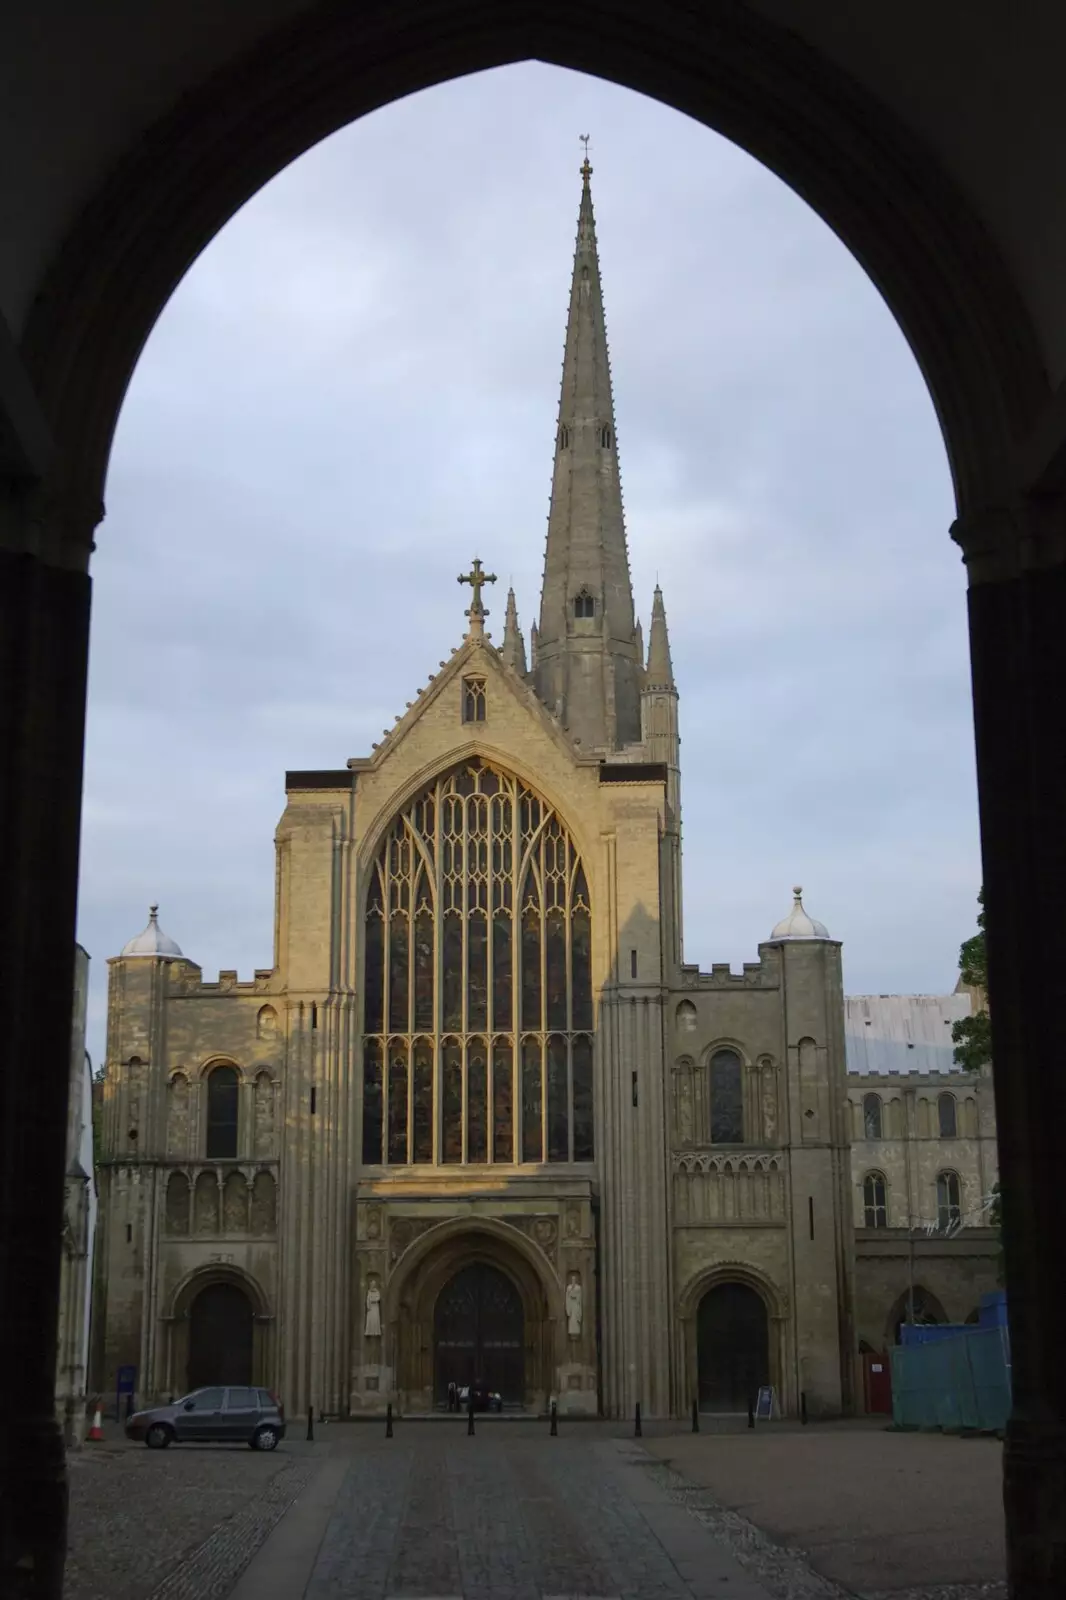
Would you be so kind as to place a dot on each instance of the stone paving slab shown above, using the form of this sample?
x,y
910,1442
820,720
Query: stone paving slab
x,y
509,1515
875,1512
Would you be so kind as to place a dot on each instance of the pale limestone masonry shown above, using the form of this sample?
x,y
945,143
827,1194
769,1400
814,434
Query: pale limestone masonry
x,y
478,1072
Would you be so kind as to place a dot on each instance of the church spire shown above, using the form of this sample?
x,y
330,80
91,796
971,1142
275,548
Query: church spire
x,y
587,666
660,672
513,648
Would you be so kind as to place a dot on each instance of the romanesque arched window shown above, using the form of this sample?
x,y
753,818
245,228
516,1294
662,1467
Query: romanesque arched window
x,y
477,981
948,1201
223,1093
727,1098
875,1200
872,1116
946,1116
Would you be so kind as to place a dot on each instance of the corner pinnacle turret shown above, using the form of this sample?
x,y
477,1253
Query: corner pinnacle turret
x,y
660,669
587,666
513,649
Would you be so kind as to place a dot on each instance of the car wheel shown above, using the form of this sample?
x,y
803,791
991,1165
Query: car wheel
x,y
158,1436
265,1439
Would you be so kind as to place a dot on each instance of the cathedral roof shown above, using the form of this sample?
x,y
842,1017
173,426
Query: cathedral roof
x,y
798,925
886,1034
153,942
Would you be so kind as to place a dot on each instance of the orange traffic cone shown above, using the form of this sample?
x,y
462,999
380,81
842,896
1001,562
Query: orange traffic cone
x,y
96,1432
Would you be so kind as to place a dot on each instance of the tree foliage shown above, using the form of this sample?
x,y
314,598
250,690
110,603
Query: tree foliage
x,y
972,1036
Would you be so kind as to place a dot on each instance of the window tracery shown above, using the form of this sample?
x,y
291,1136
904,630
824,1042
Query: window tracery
x,y
948,1200
478,1011
473,699
875,1200
584,604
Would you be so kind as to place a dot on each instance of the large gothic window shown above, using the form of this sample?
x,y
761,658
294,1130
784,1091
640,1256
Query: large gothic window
x,y
477,1010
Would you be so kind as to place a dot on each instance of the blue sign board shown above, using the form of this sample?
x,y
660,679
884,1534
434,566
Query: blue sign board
x,y
125,1384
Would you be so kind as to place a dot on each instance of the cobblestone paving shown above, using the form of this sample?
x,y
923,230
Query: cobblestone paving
x,y
507,1518
172,1523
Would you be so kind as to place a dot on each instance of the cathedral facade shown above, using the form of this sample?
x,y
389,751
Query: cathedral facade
x,y
479,1119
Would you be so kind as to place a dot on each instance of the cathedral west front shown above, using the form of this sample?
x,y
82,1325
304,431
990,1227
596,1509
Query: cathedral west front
x,y
479,1119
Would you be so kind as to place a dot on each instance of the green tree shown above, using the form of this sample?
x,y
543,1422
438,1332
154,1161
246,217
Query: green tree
x,y
972,1036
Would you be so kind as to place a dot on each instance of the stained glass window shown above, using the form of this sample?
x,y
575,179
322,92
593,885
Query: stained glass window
x,y
477,924
223,1095
503,1100
373,1102
727,1098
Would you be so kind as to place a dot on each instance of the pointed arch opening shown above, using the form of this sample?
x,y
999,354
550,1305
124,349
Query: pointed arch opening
x,y
478,1015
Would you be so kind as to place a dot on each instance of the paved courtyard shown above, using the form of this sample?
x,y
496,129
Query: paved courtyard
x,y
816,1514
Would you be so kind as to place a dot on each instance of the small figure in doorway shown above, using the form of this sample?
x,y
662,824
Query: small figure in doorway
x,y
372,1324
453,1396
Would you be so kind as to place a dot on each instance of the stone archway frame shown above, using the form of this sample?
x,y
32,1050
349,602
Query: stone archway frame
x,y
423,1270
776,1303
748,77
171,1371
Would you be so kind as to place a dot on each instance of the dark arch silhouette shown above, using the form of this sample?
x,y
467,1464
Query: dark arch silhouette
x,y
733,1347
744,76
479,1333
220,1336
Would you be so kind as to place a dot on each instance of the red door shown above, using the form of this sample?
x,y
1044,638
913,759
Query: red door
x,y
877,1381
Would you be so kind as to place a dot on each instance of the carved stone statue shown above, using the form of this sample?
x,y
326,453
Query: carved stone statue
x,y
372,1324
573,1304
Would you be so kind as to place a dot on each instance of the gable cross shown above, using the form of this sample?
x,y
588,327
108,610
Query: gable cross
x,y
477,579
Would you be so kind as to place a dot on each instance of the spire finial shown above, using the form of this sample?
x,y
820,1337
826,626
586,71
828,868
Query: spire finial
x,y
586,170
153,913
797,890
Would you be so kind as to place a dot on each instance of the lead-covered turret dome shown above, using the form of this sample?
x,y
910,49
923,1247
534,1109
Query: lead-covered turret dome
x,y
798,925
153,942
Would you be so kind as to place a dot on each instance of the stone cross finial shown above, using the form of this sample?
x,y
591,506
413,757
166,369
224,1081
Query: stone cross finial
x,y
477,579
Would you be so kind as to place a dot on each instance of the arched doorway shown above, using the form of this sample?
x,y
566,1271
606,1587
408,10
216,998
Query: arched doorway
x,y
479,1333
733,1347
220,1336
926,1312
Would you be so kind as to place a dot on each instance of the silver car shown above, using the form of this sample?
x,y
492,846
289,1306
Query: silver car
x,y
230,1415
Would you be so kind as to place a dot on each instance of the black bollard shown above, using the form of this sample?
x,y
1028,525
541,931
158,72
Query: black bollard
x,y
470,1414
554,1431
751,1414
129,1407
803,1408
310,1424
638,1432
695,1416
388,1420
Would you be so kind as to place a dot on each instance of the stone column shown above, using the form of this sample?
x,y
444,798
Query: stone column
x,y
44,642
1017,567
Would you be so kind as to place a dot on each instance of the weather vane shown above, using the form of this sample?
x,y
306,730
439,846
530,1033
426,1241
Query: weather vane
x,y
584,139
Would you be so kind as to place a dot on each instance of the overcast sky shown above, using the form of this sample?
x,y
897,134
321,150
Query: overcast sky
x,y
354,391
